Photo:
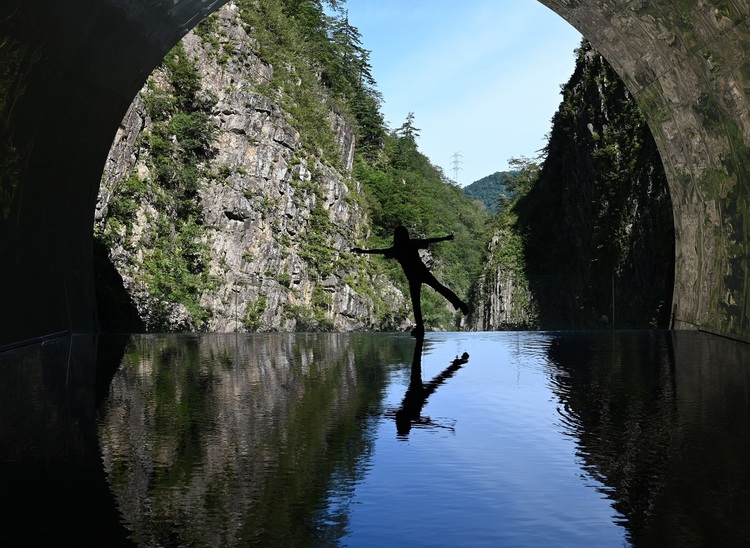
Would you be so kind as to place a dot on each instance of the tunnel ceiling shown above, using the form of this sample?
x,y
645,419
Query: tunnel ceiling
x,y
69,70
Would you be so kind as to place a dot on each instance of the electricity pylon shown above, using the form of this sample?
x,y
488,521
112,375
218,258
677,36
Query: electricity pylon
x,y
456,165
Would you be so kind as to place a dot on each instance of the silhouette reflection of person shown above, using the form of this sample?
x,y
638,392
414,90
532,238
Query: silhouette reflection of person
x,y
416,395
406,251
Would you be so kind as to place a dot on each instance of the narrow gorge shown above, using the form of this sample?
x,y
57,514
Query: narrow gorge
x,y
236,187
588,241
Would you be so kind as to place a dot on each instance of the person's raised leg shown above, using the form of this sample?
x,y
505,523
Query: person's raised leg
x,y
457,303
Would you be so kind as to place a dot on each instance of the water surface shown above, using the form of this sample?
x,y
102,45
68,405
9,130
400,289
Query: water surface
x,y
473,439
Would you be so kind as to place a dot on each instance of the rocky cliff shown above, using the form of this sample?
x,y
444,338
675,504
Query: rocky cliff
x,y
218,216
503,298
591,242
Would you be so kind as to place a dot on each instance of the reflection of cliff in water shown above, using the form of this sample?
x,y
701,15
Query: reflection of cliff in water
x,y
662,419
219,440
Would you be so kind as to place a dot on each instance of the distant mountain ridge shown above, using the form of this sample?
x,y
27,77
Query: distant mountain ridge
x,y
489,189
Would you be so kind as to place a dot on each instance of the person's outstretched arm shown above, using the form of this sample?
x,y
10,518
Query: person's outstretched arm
x,y
423,242
385,251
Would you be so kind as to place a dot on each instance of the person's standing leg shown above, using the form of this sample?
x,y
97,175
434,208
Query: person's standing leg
x,y
415,290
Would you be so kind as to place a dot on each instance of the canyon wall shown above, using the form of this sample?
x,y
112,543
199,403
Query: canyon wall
x,y
275,221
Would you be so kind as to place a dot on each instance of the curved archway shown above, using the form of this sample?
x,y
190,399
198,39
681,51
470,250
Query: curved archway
x,y
688,68
69,73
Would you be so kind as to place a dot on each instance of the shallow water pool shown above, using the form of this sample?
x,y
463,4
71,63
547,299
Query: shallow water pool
x,y
470,439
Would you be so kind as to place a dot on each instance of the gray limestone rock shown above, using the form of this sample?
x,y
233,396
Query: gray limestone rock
x,y
258,206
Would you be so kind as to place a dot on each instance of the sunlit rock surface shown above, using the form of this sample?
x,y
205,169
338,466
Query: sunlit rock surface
x,y
259,203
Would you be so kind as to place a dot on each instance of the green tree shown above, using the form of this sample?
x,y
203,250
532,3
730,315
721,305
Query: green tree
x,y
407,130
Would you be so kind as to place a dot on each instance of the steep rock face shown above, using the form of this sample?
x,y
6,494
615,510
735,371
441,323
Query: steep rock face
x,y
275,223
592,241
686,64
503,299
597,225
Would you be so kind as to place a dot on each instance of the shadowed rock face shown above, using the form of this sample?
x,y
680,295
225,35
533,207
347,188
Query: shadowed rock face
x,y
688,70
69,74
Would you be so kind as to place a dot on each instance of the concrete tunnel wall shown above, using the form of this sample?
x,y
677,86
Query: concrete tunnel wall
x,y
69,70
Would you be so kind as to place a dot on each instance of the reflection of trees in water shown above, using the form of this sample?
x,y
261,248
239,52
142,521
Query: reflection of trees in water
x,y
662,420
223,440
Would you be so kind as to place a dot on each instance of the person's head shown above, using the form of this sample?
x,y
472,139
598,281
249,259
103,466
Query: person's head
x,y
400,234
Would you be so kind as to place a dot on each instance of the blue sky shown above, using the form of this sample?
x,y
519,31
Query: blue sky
x,y
482,77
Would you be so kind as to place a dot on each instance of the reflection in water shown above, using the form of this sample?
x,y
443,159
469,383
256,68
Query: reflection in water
x,y
410,413
280,439
663,420
234,440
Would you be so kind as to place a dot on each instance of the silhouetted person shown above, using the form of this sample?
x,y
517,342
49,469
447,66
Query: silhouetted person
x,y
406,251
416,395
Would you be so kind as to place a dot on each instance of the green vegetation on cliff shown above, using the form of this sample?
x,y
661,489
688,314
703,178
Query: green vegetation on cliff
x,y
587,230
596,224
320,64
174,253
502,296
404,188
316,74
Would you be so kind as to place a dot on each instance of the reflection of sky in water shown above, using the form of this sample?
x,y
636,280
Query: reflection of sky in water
x,y
539,439
503,473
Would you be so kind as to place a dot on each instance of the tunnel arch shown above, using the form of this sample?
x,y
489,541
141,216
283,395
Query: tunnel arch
x,y
687,66
70,71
